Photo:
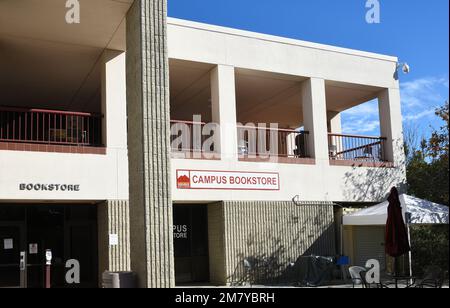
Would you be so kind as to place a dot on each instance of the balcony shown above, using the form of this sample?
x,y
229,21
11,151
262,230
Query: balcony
x,y
24,129
189,140
357,150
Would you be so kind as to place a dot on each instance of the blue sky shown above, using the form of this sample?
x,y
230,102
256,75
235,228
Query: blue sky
x,y
416,31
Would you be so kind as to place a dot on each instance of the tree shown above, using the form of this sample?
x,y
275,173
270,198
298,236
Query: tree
x,y
428,178
427,162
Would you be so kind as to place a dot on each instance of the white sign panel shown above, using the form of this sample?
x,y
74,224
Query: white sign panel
x,y
227,180
113,239
33,249
8,243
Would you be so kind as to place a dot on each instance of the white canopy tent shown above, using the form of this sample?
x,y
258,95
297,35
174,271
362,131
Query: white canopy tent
x,y
416,211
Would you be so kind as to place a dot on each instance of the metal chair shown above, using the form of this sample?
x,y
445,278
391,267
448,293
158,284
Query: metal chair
x,y
355,274
433,278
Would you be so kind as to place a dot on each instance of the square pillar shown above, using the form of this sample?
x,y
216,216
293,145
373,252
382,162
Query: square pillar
x,y
223,107
334,127
315,118
334,122
392,126
114,99
148,104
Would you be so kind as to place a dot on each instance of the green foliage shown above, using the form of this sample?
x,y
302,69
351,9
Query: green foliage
x,y
430,246
427,172
428,167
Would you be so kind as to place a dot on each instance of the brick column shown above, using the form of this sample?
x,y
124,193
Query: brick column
x,y
149,144
113,219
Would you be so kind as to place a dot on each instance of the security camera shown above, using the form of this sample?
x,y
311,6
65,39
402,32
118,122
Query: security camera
x,y
406,69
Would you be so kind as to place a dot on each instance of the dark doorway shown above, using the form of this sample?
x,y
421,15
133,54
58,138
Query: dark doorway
x,y
11,237
69,231
191,244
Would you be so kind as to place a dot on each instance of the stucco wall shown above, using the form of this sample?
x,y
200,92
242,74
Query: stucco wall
x,y
217,45
310,182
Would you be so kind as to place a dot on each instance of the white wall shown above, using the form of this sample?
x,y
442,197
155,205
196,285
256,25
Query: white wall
x,y
217,45
320,182
98,175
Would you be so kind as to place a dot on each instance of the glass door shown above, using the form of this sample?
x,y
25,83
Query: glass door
x,y
190,233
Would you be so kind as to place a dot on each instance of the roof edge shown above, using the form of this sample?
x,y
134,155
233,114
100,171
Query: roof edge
x,y
277,39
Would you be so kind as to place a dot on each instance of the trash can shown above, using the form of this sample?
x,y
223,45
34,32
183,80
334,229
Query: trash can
x,y
119,280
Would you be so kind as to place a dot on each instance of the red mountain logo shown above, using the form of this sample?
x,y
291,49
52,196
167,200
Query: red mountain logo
x,y
183,182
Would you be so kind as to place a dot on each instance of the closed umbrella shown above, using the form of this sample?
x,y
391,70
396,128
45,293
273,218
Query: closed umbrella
x,y
397,243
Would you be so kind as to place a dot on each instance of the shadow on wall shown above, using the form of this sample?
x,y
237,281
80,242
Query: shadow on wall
x,y
281,265
374,184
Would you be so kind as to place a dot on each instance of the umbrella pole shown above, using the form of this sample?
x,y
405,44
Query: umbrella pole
x,y
397,266
410,251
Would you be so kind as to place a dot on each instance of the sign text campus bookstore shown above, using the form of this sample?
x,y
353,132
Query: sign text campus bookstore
x,y
227,180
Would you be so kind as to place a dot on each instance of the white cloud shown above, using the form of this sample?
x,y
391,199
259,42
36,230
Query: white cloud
x,y
420,98
418,116
362,119
369,108
423,92
362,126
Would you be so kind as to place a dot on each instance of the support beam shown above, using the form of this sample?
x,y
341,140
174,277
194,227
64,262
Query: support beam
x,y
148,102
114,90
315,118
391,125
223,107
334,122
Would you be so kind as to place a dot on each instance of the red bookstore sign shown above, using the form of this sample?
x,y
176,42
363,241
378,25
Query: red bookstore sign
x,y
227,180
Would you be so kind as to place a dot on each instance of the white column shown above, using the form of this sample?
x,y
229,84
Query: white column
x,y
223,107
114,100
334,127
334,122
315,118
391,125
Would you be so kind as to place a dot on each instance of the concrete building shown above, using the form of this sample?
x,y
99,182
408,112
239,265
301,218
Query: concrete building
x,y
90,166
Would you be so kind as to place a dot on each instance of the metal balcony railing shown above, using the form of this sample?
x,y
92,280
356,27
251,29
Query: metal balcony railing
x,y
356,148
189,137
39,126
287,143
